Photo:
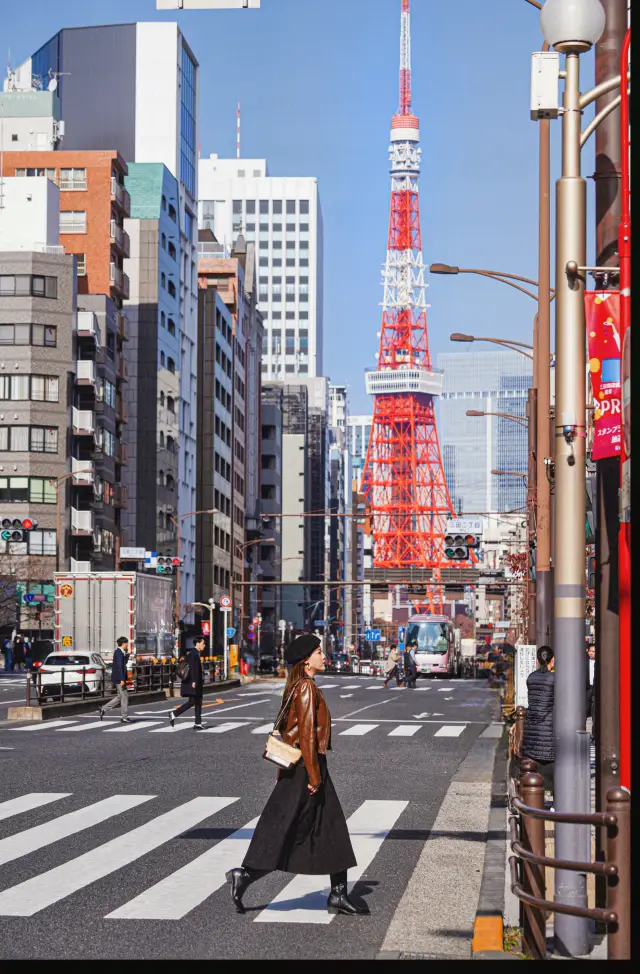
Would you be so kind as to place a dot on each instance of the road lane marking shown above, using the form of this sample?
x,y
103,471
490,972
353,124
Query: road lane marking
x,y
404,730
135,726
345,696
328,686
25,803
79,727
358,730
173,730
185,889
36,894
15,846
449,731
45,724
493,730
368,707
376,688
239,706
223,728
304,899
263,729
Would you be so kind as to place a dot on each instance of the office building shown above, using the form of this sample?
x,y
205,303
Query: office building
x,y
358,433
271,597
135,87
283,217
30,120
473,446
154,429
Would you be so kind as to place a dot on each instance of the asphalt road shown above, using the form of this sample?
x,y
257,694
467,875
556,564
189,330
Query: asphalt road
x,y
114,839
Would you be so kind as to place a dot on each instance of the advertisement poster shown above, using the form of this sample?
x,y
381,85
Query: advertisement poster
x,y
602,309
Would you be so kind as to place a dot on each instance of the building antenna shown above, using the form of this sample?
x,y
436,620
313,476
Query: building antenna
x,y
238,134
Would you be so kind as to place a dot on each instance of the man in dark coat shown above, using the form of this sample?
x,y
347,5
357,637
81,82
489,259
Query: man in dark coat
x,y
538,739
119,681
192,687
410,666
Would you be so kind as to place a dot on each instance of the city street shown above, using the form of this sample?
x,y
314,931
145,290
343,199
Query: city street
x,y
115,838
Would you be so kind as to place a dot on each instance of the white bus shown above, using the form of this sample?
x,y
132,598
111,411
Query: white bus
x,y
438,652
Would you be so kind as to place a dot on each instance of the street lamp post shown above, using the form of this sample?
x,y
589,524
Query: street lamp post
x,y
571,29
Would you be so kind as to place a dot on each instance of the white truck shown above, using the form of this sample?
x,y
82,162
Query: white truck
x,y
93,609
468,648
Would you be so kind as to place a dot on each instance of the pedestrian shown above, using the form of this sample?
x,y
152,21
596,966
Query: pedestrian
x,y
302,828
119,681
391,666
28,654
18,653
538,739
192,686
410,665
8,655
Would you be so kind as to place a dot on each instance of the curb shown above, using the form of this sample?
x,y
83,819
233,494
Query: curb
x,y
488,929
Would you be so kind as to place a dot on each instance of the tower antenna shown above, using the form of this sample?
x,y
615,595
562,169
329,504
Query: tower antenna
x,y
404,107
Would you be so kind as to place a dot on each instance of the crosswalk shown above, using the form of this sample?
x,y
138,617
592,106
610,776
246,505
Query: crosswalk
x,y
342,727
302,899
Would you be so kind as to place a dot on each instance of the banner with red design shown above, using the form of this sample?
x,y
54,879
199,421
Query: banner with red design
x,y
602,309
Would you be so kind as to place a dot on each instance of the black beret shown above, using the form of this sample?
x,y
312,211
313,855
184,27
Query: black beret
x,y
301,648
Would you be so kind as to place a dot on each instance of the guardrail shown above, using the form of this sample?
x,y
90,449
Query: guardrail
x,y
82,682
527,865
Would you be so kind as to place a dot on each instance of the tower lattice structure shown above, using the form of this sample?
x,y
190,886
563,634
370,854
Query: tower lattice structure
x,y
404,476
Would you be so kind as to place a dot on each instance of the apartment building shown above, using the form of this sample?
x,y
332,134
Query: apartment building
x,y
272,601
282,216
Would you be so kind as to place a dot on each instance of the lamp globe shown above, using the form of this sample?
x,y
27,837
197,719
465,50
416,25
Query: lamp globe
x,y
572,26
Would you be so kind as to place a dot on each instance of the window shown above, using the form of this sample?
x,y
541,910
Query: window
x,y
188,224
242,173
188,124
171,404
304,245
171,288
171,327
277,228
237,206
264,245
73,221
304,314
162,360
171,365
276,262
303,369
109,393
264,206
73,179
27,490
276,340
290,338
251,207
41,542
304,228
291,262
304,340
304,207
290,368
163,320
277,244
163,241
172,251
49,173
304,262
81,265
39,388
164,202
109,443
263,262
172,213
28,284
291,207
163,280
24,439
277,207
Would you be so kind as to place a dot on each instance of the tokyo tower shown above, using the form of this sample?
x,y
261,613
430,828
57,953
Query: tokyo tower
x,y
403,475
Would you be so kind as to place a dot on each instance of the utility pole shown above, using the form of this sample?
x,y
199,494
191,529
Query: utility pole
x,y
608,212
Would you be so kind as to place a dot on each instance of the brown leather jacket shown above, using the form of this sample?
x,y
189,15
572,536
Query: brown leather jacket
x,y
308,724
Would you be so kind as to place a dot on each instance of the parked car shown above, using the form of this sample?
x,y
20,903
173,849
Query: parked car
x,y
268,664
340,661
76,666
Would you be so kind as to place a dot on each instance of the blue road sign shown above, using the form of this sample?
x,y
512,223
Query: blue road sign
x,y
231,632
251,636
372,635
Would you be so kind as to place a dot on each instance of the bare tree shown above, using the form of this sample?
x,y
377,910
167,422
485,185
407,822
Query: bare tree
x,y
17,570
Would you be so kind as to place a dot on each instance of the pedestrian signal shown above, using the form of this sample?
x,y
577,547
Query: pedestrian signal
x,y
16,529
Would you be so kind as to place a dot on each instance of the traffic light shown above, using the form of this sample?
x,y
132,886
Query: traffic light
x,y
16,529
456,547
168,565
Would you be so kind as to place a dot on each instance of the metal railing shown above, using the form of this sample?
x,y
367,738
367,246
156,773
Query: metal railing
x,y
527,865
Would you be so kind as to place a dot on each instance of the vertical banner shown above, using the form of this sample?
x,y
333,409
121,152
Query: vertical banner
x,y
602,310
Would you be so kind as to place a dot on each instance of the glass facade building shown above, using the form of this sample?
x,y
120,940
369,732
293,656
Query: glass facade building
x,y
473,446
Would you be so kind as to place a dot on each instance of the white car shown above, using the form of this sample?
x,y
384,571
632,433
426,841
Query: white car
x,y
76,666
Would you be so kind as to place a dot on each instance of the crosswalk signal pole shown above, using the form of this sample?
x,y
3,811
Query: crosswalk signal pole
x,y
226,643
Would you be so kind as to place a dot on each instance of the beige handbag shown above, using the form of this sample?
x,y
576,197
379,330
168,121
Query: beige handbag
x,y
278,751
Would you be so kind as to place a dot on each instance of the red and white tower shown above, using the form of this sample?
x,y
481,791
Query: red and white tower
x,y
403,476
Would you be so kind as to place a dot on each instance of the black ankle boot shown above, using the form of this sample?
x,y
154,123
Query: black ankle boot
x,y
240,880
339,901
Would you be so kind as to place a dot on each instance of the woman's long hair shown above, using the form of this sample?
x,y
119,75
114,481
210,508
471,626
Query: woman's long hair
x,y
297,673
545,655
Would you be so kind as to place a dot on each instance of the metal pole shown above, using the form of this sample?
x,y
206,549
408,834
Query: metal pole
x,y
532,493
57,527
571,933
533,875
211,610
619,852
544,577
178,573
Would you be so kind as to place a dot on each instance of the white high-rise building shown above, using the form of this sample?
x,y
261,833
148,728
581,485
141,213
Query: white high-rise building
x,y
358,433
282,215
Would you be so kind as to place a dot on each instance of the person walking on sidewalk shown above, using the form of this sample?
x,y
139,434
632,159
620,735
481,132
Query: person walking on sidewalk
x,y
192,686
119,681
410,665
391,666
302,828
8,655
538,738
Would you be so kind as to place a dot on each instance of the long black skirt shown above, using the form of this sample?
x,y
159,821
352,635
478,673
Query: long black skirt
x,y
302,833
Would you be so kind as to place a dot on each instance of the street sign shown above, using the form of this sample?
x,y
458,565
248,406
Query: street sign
x,y
231,632
151,559
372,635
251,636
132,554
67,641
464,525
225,602
206,629
320,622
35,597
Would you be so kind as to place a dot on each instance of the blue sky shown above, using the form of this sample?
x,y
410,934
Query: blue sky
x,y
318,84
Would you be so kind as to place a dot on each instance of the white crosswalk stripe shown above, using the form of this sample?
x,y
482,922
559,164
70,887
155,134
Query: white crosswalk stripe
x,y
184,725
223,728
35,894
90,725
137,725
263,729
14,846
368,828
358,730
404,730
44,725
450,730
26,803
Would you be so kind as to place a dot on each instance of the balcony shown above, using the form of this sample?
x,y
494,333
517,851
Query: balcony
x,y
83,422
122,411
85,372
80,566
87,325
123,327
122,370
115,276
120,196
121,495
83,472
125,286
122,454
82,522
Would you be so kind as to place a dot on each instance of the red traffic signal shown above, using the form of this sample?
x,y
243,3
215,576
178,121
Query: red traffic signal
x,y
28,524
176,561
